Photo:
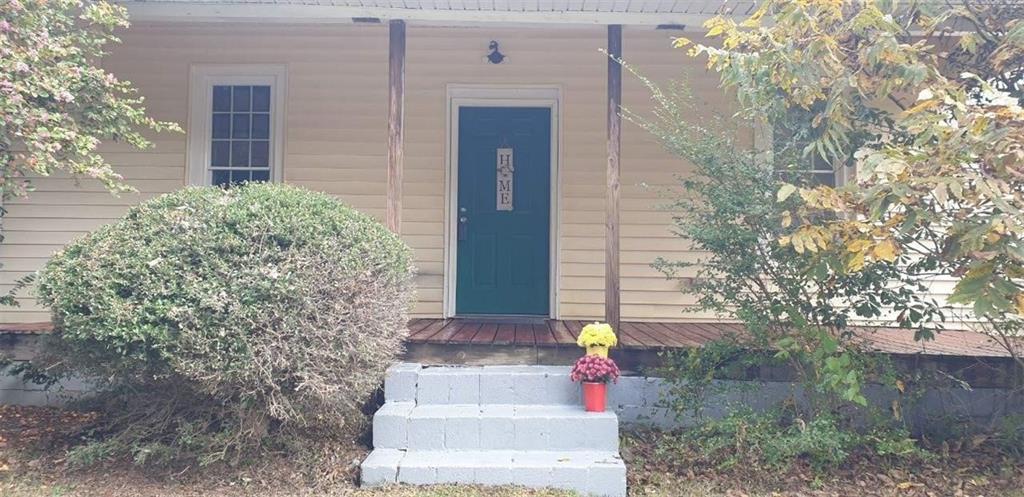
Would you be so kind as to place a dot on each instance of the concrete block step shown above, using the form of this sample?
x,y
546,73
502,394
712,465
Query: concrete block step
x,y
595,473
403,425
517,385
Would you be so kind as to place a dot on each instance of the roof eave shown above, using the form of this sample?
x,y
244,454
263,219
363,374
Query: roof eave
x,y
295,13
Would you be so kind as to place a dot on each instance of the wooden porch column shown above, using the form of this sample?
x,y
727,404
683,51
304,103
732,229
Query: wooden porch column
x,y
611,237
396,114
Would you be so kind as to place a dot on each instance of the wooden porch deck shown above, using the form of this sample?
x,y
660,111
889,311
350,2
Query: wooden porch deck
x,y
638,336
655,336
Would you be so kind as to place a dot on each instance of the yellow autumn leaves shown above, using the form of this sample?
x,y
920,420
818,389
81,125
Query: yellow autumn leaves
x,y
860,245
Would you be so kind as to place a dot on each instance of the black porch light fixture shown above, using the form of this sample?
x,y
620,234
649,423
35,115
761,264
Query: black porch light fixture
x,y
495,57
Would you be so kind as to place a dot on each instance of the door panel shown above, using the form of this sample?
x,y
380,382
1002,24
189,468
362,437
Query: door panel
x,y
503,255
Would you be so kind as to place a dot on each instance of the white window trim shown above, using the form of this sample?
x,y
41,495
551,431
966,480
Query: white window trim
x,y
203,79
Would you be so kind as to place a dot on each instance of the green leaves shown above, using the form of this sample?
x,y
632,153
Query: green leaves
x,y
56,103
258,302
936,137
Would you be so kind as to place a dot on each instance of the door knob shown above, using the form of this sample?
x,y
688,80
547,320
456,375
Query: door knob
x,y
463,227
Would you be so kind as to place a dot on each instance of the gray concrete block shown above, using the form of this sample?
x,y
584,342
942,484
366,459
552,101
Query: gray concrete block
x,y
456,474
400,382
536,469
653,391
464,387
560,389
568,477
533,476
417,475
631,415
596,433
391,425
629,391
462,429
606,478
426,428
496,387
433,386
380,467
564,428
497,427
529,388
531,432
493,476
420,467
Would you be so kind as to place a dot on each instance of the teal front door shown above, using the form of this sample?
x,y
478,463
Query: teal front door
x,y
504,207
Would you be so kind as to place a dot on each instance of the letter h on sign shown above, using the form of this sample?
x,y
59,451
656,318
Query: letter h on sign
x,y
505,177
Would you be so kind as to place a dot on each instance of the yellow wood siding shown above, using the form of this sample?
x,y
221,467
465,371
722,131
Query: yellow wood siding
x,y
336,136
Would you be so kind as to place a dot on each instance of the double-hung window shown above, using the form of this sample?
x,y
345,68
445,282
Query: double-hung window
x,y
236,124
787,142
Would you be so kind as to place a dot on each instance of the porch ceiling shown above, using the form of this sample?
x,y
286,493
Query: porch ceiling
x,y
688,14
637,6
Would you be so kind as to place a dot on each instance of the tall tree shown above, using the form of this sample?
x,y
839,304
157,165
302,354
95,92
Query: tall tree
x,y
57,105
925,101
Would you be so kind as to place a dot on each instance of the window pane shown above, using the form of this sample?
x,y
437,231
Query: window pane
x,y
239,176
261,99
240,125
261,126
221,177
219,153
260,154
240,153
221,98
240,99
240,134
222,125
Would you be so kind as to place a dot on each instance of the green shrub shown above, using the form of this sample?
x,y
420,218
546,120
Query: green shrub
x,y
798,303
773,440
693,376
214,320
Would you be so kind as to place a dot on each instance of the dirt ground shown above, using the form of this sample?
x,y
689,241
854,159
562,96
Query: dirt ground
x,y
33,442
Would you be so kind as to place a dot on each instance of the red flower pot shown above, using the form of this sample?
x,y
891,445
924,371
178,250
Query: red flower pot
x,y
594,396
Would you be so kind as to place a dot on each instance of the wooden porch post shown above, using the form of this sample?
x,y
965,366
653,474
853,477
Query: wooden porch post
x,y
611,243
396,114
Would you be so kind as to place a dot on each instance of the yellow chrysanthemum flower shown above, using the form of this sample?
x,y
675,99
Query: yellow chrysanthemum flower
x,y
597,335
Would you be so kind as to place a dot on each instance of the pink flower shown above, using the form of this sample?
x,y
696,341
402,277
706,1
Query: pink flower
x,y
595,369
21,66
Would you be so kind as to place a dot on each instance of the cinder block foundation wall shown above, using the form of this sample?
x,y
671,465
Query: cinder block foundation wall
x,y
638,400
14,391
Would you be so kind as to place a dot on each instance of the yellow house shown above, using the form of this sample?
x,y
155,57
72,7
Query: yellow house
x,y
486,132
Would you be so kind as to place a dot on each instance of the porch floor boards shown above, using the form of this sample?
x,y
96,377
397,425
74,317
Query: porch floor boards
x,y
655,336
553,334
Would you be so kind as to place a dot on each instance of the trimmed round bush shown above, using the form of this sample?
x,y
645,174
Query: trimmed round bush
x,y
217,318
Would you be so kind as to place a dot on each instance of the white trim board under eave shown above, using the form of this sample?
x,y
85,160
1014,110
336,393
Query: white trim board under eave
x,y
292,13
549,96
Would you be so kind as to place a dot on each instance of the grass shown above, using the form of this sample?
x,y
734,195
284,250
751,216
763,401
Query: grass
x,y
33,464
44,490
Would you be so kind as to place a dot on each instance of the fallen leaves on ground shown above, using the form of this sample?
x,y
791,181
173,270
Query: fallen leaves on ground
x,y
33,441
978,471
